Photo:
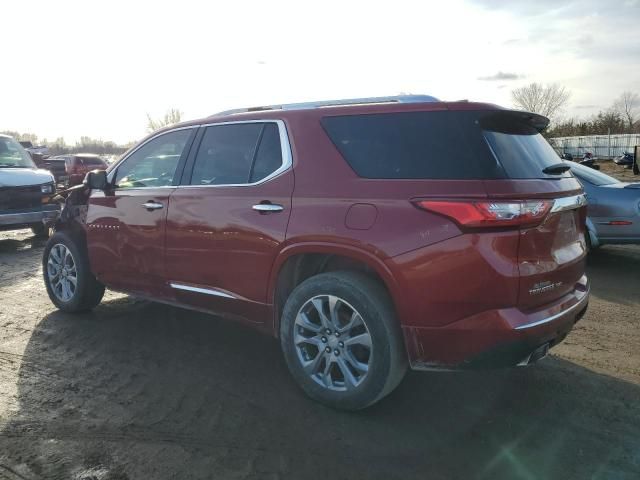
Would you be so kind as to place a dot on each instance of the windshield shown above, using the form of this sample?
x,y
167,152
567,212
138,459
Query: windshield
x,y
590,175
12,154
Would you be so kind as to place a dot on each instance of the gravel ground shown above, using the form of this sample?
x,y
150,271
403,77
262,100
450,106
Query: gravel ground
x,y
136,390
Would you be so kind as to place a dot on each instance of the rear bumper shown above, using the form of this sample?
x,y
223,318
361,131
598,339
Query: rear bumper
x,y
18,218
496,338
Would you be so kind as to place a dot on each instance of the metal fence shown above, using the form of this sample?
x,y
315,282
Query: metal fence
x,y
602,146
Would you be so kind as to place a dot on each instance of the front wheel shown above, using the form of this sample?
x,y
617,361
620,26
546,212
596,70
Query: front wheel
x,y
341,340
70,284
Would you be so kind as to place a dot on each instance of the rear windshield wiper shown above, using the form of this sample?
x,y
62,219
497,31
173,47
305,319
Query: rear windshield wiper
x,y
556,169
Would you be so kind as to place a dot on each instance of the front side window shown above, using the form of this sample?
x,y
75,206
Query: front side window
x,y
154,164
237,154
12,154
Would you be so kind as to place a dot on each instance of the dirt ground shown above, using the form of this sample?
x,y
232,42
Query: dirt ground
x,y
621,173
136,390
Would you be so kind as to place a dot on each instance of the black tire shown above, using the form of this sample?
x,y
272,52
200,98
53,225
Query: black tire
x,y
388,362
88,290
40,230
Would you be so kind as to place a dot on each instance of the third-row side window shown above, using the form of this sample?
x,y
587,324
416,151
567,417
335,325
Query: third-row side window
x,y
237,154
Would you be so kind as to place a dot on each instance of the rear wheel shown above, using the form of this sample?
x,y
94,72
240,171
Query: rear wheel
x,y
341,340
70,284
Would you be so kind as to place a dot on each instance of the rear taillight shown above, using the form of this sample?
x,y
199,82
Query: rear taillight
x,y
489,214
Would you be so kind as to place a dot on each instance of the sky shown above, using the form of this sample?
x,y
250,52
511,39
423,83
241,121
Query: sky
x,y
74,68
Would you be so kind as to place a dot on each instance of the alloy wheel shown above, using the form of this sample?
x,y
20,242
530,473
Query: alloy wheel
x,y
62,273
333,343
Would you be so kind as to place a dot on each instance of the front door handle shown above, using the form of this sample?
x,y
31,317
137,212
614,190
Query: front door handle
x,y
268,207
150,205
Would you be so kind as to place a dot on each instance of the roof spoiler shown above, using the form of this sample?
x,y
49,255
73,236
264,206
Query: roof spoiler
x,y
514,122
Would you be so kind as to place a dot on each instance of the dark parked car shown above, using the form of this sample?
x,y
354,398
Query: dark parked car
x,y
56,165
25,191
626,159
367,235
614,207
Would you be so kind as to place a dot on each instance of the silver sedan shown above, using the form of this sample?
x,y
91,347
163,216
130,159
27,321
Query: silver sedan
x,y
613,214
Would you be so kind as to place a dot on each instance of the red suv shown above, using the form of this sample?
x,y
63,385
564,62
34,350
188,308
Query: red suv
x,y
367,235
77,165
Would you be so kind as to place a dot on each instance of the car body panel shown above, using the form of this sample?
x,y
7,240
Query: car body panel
x,y
23,202
613,211
215,239
126,241
475,288
24,177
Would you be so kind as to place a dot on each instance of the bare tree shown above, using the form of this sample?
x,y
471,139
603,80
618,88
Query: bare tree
x,y
547,100
172,116
628,105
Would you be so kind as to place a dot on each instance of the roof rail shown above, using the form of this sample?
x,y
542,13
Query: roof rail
x,y
332,103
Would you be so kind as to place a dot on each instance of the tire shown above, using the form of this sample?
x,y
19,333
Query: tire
x,y
302,340
40,230
87,291
590,247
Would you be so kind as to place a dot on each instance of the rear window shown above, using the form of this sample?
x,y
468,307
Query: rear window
x,y
411,145
518,145
442,145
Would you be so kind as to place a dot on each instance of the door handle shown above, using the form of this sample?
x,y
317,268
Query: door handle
x,y
268,207
150,205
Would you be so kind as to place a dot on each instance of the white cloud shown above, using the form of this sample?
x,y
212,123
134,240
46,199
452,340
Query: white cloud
x,y
76,68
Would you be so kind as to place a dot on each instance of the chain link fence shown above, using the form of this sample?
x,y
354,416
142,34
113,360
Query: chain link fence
x,y
601,146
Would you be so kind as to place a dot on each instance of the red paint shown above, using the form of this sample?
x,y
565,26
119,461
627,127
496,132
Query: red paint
x,y
457,292
77,167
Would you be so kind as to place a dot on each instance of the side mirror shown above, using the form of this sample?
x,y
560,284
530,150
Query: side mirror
x,y
96,180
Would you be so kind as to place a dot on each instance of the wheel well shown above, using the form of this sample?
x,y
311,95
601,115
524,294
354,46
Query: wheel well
x,y
298,268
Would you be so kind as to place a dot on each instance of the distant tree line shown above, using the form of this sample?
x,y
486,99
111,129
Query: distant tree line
x,y
95,145
623,116
603,123
84,145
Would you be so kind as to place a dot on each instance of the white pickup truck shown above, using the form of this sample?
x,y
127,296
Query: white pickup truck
x,y
25,191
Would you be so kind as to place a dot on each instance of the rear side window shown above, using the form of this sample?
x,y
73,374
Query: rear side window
x,y
411,145
269,155
237,154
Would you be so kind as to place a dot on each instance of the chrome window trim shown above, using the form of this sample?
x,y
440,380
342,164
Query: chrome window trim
x,y
115,166
568,203
207,291
285,149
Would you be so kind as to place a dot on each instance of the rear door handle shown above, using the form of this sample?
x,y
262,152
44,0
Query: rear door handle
x,y
150,205
268,207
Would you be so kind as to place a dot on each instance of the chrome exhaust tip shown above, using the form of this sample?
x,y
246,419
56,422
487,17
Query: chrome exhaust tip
x,y
538,354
